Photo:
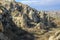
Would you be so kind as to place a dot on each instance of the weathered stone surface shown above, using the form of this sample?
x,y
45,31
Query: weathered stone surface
x,y
3,37
8,0
21,22
56,36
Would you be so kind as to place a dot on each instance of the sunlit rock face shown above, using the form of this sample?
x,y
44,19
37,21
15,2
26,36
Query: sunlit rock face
x,y
56,36
21,22
10,0
0,11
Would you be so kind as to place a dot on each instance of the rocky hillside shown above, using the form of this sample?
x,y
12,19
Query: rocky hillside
x,y
21,22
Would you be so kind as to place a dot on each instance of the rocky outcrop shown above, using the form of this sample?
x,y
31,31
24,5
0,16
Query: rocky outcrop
x,y
56,36
7,0
21,22
3,37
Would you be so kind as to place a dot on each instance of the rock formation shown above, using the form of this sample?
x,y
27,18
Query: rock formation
x,y
56,36
7,0
21,22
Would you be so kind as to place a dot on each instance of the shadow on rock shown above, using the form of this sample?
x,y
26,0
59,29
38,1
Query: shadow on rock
x,y
11,30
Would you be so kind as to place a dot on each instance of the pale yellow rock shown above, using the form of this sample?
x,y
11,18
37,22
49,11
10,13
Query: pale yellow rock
x,y
1,27
8,0
0,11
56,36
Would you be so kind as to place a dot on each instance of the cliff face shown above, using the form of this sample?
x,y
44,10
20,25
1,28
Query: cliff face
x,y
21,22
